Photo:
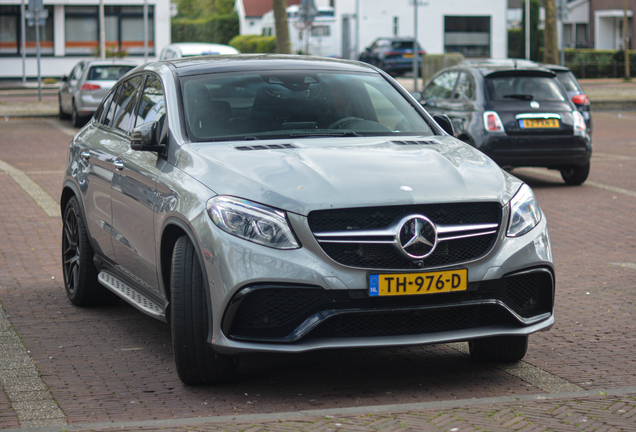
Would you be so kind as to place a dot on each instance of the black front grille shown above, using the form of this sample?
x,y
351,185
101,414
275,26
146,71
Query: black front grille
x,y
374,324
275,313
368,254
385,256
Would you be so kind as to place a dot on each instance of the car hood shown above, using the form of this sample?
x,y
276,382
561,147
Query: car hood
x,y
322,173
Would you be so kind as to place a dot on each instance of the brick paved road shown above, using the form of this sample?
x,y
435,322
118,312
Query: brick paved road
x,y
104,365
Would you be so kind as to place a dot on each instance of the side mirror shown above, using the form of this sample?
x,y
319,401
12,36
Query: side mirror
x,y
444,122
417,95
65,78
147,138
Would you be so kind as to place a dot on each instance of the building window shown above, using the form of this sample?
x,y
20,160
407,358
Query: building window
x,y
468,35
581,35
10,33
320,31
123,25
395,26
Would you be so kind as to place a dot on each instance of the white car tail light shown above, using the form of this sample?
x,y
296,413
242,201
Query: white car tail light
x,y
492,122
579,123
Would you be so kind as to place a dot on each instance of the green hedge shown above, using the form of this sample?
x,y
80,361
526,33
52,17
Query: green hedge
x,y
214,29
254,44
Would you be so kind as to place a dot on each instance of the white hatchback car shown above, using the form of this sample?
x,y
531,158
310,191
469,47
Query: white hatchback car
x,y
188,49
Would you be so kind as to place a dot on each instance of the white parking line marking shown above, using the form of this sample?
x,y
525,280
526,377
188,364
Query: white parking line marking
x,y
44,200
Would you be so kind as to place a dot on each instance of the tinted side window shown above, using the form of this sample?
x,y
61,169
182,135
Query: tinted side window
x,y
110,114
152,106
126,99
465,87
77,74
441,87
103,108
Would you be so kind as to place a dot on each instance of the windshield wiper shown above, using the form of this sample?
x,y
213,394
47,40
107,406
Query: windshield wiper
x,y
519,96
324,134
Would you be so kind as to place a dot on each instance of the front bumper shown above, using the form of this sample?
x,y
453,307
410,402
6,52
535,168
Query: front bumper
x,y
267,300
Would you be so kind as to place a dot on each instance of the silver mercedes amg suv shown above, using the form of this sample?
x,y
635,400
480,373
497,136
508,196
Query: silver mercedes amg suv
x,y
286,204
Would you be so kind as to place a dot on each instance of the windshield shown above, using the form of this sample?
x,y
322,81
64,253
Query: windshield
x,y
280,104
107,73
524,88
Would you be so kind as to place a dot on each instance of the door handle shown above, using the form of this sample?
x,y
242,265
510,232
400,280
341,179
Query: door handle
x,y
86,155
119,164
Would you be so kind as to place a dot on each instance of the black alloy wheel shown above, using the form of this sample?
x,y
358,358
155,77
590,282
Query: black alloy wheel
x,y
80,274
76,119
61,114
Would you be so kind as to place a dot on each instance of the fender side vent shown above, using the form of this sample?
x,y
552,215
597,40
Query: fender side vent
x,y
266,147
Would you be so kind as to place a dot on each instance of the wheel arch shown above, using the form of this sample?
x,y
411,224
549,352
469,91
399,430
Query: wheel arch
x,y
173,229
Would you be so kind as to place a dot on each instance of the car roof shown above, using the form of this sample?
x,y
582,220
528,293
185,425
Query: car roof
x,y
111,62
556,68
263,62
500,67
195,48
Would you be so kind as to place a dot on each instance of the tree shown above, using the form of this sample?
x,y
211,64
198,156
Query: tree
x,y
551,51
282,30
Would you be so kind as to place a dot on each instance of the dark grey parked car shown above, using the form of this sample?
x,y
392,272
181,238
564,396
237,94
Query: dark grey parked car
x,y
288,204
515,112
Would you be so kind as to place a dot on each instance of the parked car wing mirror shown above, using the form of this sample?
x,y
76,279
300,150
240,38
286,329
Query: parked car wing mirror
x,y
64,78
444,122
417,95
147,138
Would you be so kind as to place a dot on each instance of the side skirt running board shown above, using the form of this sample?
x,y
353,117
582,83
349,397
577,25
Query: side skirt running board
x,y
133,296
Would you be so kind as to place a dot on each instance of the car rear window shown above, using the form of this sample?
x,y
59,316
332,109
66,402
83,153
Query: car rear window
x,y
296,103
107,73
524,88
569,82
402,45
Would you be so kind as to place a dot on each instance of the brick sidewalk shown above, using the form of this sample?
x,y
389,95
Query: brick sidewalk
x,y
115,364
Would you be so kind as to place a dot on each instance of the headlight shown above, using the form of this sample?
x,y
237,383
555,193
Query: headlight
x,y
525,213
250,221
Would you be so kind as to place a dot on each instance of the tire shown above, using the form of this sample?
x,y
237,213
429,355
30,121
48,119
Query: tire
x,y
196,361
80,274
575,175
77,120
498,348
61,114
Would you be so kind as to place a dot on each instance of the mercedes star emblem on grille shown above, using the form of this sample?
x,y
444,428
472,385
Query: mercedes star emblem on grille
x,y
417,237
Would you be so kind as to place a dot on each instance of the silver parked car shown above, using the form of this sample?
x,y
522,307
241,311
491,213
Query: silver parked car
x,y
86,85
288,204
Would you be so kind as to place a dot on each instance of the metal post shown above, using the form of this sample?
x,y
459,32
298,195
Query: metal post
x,y
102,32
355,55
145,31
23,42
415,47
527,29
37,50
562,15
626,39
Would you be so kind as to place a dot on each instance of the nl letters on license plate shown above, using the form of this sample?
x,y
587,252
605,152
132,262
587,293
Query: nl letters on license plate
x,y
418,283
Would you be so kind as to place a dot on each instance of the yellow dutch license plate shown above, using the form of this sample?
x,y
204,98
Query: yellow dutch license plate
x,y
418,283
407,55
539,123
